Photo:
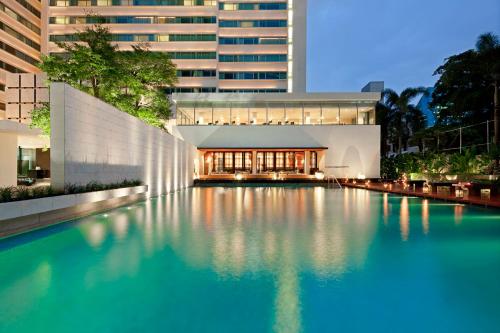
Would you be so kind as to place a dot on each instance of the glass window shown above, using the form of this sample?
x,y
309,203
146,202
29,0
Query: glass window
x,y
203,115
312,114
290,161
228,161
238,161
260,162
293,115
330,114
222,115
348,114
248,161
280,161
239,115
269,161
276,114
218,162
258,114
366,114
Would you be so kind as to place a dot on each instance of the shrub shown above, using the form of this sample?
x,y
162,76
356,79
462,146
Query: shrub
x,y
12,193
6,194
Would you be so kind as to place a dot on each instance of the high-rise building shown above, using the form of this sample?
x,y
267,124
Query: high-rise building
x,y
232,46
20,41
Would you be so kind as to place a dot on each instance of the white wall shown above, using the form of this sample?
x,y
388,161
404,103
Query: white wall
x,y
93,141
356,146
8,159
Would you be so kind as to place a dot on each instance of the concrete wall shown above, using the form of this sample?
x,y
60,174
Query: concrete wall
x,y
93,141
357,147
8,159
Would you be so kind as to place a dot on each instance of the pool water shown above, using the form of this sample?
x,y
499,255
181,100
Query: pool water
x,y
259,259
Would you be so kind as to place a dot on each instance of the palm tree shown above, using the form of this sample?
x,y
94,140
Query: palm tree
x,y
401,116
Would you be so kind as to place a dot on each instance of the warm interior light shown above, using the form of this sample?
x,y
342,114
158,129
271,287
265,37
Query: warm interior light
x,y
238,176
319,175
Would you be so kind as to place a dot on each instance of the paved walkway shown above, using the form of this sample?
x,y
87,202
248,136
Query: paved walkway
x,y
398,189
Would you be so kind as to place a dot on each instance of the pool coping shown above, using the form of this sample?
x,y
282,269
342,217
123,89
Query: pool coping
x,y
22,216
471,201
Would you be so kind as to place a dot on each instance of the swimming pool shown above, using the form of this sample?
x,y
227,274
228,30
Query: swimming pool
x,y
259,259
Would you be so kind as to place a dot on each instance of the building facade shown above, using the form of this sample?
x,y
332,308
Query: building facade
x,y
281,136
20,42
226,46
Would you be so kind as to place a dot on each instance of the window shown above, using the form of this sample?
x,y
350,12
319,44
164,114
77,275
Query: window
x,y
218,162
253,58
228,162
252,75
280,161
269,161
251,40
238,161
260,162
253,24
289,161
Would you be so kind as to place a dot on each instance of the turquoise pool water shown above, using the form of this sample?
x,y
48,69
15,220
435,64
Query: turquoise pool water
x,y
282,259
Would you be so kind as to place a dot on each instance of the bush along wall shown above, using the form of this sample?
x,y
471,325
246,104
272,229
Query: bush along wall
x,y
13,193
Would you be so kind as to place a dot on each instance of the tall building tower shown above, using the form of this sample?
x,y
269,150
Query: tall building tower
x,y
20,43
235,46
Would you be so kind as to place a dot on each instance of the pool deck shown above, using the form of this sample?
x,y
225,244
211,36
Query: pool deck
x,y
398,189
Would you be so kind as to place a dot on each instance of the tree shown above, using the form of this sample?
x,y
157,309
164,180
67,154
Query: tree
x,y
400,117
467,89
40,118
130,80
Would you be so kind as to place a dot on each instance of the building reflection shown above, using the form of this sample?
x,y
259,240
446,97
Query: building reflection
x,y
425,216
241,231
404,219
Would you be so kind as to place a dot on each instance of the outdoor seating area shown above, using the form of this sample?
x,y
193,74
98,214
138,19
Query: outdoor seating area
x,y
466,193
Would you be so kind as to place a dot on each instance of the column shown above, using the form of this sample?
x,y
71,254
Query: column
x,y
254,162
307,161
8,159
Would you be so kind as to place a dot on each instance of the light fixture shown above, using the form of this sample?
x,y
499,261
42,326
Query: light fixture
x,y
238,176
320,175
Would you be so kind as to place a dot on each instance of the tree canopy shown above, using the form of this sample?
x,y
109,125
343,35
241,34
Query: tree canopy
x,y
464,92
130,80
399,117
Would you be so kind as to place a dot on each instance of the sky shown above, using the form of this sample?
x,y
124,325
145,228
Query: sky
x,y
401,42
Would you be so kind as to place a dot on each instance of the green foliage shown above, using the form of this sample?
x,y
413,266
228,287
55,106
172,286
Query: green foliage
x,y
398,117
40,118
7,193
435,165
12,193
132,80
96,186
464,92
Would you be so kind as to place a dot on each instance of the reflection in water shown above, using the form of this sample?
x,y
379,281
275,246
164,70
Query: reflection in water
x,y
404,219
386,208
283,242
459,210
425,216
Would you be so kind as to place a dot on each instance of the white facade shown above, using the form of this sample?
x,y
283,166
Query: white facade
x,y
93,141
339,127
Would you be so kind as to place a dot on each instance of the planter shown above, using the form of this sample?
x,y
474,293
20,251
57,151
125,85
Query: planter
x,y
21,216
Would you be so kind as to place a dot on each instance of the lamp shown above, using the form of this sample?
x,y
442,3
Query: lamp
x,y
320,175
